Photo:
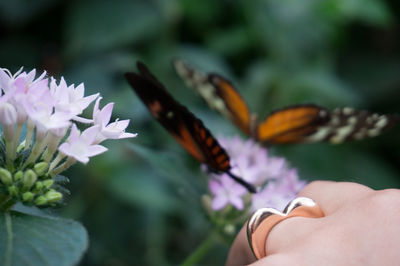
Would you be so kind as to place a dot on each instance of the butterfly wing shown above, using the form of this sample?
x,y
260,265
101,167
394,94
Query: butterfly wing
x,y
349,124
187,129
311,123
219,94
291,124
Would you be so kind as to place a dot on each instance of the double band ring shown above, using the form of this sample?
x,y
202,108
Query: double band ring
x,y
263,220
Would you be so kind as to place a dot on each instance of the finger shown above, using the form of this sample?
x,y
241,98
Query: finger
x,y
276,260
330,196
240,252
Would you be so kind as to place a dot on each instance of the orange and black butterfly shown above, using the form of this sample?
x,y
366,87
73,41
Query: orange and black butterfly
x,y
187,129
292,124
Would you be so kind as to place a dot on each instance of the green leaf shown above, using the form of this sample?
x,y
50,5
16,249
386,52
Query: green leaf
x,y
40,240
374,12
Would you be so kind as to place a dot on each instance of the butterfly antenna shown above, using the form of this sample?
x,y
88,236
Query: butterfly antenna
x,y
249,187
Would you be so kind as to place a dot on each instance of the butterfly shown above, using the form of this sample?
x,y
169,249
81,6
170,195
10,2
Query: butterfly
x,y
185,127
292,124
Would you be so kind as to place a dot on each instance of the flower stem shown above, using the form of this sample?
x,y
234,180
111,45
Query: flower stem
x,y
70,161
201,250
52,146
56,161
9,137
16,138
29,133
37,150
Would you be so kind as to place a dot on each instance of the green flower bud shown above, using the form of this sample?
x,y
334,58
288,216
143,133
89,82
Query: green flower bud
x,y
5,177
27,196
40,168
39,185
13,190
29,179
41,200
21,146
53,196
229,229
18,175
48,183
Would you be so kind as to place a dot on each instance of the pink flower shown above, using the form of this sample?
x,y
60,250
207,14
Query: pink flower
x,y
226,191
115,130
80,146
47,110
70,99
277,182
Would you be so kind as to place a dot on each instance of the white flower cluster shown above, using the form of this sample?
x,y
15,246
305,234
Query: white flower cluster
x,y
49,112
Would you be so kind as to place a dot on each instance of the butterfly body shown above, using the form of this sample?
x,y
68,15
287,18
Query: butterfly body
x,y
184,126
293,124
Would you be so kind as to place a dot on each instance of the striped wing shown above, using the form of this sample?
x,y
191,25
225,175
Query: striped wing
x,y
219,94
187,129
350,124
311,123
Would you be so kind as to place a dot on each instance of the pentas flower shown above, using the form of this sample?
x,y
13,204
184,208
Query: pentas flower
x,y
115,130
277,183
53,141
227,191
70,99
80,146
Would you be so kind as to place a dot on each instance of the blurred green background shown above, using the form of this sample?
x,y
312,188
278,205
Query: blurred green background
x,y
140,201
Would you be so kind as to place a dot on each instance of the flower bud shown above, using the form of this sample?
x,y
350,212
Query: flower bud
x,y
48,183
207,203
53,196
38,186
229,229
13,190
21,146
18,175
27,196
40,168
5,177
41,200
29,179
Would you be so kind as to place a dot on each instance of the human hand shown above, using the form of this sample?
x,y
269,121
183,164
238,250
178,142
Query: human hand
x,y
360,227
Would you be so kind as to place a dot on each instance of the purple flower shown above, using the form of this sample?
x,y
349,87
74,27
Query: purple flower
x,y
277,182
226,191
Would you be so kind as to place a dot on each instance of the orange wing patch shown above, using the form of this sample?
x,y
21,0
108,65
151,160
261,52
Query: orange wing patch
x,y
237,108
291,124
189,144
219,94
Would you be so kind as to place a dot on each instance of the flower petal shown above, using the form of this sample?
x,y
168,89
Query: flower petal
x,y
95,150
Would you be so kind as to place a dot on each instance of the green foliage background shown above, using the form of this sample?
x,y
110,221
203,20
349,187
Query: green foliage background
x,y
140,202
